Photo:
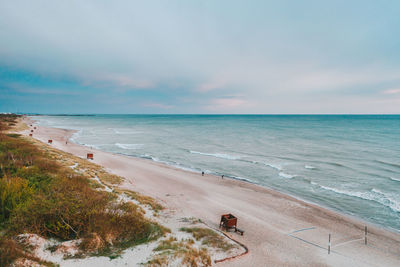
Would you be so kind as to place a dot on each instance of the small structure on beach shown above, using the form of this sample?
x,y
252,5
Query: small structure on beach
x,y
50,141
228,221
89,156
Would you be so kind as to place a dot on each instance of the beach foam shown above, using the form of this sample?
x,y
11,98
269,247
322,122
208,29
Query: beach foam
x,y
129,146
217,155
385,199
125,131
309,167
395,179
274,166
285,175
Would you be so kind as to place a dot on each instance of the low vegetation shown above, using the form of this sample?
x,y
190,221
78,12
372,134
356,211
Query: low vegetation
x,y
208,237
142,199
182,252
40,196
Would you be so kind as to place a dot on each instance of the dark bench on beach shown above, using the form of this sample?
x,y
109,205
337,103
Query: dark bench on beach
x,y
228,221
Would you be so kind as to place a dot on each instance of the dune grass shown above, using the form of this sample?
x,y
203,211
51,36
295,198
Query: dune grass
x,y
183,251
208,237
40,196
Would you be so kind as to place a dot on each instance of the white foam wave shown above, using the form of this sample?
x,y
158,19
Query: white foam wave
x,y
75,136
309,167
240,178
120,131
285,175
275,166
129,146
395,179
217,155
147,156
385,199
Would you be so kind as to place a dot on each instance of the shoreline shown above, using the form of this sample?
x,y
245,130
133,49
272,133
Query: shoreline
x,y
230,186
360,220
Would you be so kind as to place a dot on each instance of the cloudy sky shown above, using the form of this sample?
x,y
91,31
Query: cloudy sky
x,y
205,56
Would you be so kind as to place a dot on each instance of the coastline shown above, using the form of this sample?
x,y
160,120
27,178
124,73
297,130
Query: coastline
x,y
282,214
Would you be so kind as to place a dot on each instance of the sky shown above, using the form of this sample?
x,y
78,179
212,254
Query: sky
x,y
200,56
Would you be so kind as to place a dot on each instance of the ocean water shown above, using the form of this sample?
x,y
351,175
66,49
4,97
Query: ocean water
x,y
347,163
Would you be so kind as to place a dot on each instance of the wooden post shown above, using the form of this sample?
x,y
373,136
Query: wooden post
x,y
365,235
329,244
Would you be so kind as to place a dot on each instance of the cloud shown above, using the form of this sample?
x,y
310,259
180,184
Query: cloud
x,y
228,104
392,91
119,81
209,86
268,51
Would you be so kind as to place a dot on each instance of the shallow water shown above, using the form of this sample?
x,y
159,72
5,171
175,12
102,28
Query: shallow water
x,y
348,163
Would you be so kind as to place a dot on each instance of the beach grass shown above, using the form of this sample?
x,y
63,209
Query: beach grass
x,y
208,237
181,251
41,196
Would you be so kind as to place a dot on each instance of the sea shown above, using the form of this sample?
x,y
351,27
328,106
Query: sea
x,y
347,163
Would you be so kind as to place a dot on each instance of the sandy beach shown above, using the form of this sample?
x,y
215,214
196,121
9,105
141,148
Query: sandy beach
x,y
279,230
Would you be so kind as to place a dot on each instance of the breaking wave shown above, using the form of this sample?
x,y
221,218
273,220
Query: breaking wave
x,y
385,199
217,155
129,146
285,175
395,179
309,167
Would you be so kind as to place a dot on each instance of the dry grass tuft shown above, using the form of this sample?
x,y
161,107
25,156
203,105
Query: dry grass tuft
x,y
171,249
209,237
144,200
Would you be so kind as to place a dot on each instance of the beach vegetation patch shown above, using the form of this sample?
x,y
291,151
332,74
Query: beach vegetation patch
x,y
144,200
183,251
38,195
209,237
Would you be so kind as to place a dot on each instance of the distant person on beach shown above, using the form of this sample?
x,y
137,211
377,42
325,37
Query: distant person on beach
x,y
202,173
222,176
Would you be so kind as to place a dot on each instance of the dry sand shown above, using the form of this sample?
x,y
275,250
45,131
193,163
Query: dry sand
x,y
269,218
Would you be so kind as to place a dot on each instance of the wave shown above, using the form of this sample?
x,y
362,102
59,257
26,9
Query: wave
x,y
277,167
388,200
119,131
395,179
217,155
147,156
375,195
285,175
240,178
129,146
388,163
309,167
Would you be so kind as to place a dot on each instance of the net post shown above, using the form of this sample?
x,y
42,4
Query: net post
x,y
329,244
